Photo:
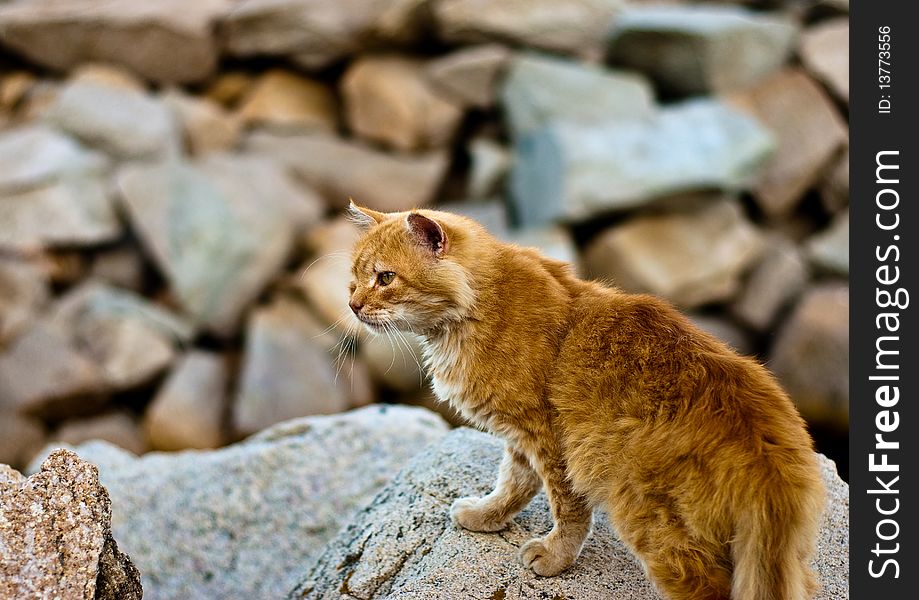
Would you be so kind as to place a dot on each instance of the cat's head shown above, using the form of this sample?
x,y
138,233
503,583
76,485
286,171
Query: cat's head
x,y
407,270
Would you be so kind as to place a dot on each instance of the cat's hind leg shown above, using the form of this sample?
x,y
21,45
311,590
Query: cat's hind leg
x,y
516,486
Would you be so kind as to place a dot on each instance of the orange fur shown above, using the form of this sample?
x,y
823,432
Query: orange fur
x,y
606,399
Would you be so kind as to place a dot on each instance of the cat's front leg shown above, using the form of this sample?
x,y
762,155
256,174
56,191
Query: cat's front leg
x,y
516,486
557,550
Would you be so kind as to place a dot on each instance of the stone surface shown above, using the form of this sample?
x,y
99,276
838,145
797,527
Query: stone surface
x,y
20,438
824,50
779,276
206,126
35,155
834,191
469,75
491,214
241,522
317,33
120,266
188,410
55,529
701,49
107,75
219,229
574,171
809,131
402,545
811,355
118,428
41,374
340,169
285,101
24,291
166,41
540,89
125,123
129,338
829,249
388,100
554,242
578,27
726,331
690,258
489,163
289,370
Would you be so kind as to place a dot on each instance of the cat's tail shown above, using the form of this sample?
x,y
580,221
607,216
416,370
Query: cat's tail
x,y
774,542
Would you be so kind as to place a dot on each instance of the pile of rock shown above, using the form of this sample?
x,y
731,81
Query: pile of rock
x,y
173,262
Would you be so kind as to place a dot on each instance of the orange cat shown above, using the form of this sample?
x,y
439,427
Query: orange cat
x,y
604,399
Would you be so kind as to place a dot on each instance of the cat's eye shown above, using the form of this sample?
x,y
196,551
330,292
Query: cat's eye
x,y
385,278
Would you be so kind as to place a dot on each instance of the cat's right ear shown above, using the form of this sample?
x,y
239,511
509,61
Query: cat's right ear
x,y
364,217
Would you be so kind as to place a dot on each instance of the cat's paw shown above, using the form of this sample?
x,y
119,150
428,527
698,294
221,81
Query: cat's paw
x,y
471,513
544,558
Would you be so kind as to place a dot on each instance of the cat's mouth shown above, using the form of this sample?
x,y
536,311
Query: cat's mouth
x,y
374,324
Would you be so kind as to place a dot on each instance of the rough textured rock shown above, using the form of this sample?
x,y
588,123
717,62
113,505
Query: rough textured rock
x,y
403,545
540,89
206,126
166,41
24,291
779,276
289,371
824,51
811,355
829,249
689,258
340,169
218,229
20,438
123,122
580,27
288,102
41,374
390,101
316,33
55,529
188,410
573,171
35,155
700,49
490,162
240,522
469,75
809,131
118,428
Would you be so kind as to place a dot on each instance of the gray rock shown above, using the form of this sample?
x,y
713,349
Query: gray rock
x,y
580,28
690,258
489,163
206,126
118,428
808,130
130,339
24,290
218,229
57,536
35,155
779,276
166,41
811,356
340,169
701,49
41,374
288,370
123,122
316,33
389,100
188,410
829,249
242,521
402,544
574,171
541,89
824,51
470,75
554,242
492,214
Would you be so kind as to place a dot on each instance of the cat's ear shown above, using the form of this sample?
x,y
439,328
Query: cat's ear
x,y
364,217
428,233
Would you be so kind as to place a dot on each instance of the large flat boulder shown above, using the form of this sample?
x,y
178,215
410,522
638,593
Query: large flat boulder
x,y
402,545
241,522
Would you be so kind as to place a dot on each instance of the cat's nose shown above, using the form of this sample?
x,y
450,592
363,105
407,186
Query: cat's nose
x,y
356,306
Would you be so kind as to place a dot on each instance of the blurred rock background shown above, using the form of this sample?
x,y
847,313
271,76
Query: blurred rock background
x,y
173,256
